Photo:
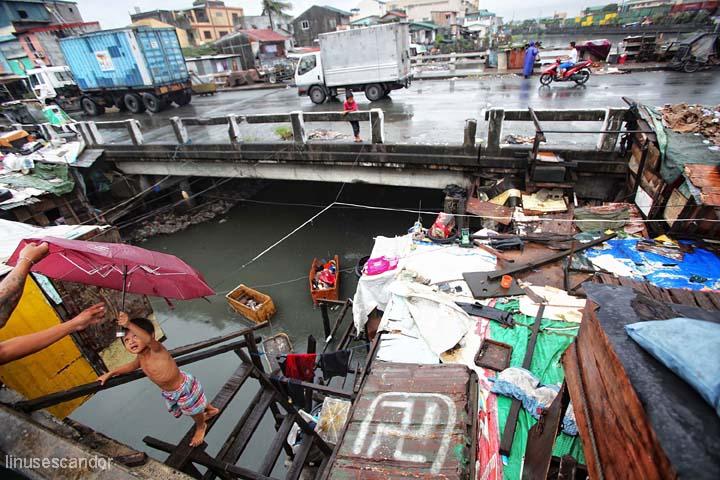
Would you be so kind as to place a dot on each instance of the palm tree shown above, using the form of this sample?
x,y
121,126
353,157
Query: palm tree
x,y
276,7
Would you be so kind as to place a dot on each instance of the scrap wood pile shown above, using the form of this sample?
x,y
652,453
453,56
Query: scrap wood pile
x,y
499,301
684,118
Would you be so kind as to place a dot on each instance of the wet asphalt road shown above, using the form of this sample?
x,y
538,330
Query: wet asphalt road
x,y
434,111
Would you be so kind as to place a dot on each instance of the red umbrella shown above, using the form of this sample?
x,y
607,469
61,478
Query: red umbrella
x,y
118,266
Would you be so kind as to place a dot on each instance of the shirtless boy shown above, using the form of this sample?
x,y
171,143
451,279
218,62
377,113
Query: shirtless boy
x,y
183,394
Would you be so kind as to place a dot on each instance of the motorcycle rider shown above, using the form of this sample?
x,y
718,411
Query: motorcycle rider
x,y
567,64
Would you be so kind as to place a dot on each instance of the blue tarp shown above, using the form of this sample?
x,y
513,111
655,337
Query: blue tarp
x,y
663,271
688,347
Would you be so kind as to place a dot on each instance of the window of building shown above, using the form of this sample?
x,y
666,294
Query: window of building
x,y
22,14
332,22
235,19
305,25
207,35
222,33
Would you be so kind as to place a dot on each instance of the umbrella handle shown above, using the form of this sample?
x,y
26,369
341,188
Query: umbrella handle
x,y
120,332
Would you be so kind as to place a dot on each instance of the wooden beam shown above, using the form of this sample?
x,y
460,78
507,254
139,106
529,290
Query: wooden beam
x,y
338,321
273,451
509,432
248,427
94,387
180,456
202,458
317,387
299,461
550,258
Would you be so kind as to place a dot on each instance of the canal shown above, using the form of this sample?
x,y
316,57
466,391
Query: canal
x,y
219,249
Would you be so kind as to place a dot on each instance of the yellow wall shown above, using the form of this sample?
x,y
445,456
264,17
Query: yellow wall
x,y
154,23
58,367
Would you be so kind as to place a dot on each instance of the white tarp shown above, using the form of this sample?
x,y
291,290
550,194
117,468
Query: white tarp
x,y
436,263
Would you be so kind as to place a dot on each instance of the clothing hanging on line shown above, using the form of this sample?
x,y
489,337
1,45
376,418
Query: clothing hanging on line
x,y
300,366
334,364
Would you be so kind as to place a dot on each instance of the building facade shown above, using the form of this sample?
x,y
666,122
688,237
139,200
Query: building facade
x,y
421,10
30,29
206,21
316,20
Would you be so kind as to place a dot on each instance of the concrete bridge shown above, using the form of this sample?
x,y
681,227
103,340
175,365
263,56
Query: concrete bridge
x,y
376,162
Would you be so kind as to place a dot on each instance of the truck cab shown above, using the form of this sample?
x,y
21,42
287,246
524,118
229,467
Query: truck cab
x,y
309,77
49,83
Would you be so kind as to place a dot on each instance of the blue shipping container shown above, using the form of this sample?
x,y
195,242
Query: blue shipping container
x,y
138,58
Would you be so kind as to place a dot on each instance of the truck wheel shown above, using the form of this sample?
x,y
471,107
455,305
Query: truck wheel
x,y
91,108
152,103
182,99
134,103
374,92
317,95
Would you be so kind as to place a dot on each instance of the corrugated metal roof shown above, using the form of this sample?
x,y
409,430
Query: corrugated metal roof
x,y
264,35
410,421
707,179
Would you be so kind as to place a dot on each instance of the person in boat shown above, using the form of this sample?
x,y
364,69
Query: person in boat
x,y
530,54
183,394
11,290
351,106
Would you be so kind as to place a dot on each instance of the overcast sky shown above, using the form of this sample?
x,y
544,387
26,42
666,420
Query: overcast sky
x,y
115,13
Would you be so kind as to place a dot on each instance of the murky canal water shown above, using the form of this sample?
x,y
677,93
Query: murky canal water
x,y
132,411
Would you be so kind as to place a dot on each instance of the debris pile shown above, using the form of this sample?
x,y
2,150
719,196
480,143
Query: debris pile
x,y
172,222
684,118
322,134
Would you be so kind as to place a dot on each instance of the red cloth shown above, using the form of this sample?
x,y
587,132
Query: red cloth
x,y
350,107
300,366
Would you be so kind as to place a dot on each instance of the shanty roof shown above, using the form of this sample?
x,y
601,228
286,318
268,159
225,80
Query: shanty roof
x,y
408,421
264,35
337,10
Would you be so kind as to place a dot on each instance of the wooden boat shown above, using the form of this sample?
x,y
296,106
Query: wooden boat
x,y
264,309
325,293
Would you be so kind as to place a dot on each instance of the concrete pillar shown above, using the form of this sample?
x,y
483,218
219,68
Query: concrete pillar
x,y
181,132
502,61
613,121
495,121
453,59
186,192
377,125
133,127
452,85
85,133
234,129
470,131
48,131
298,127
95,134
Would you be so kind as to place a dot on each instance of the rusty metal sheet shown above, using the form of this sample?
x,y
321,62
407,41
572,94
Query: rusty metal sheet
x,y
410,421
707,179
498,213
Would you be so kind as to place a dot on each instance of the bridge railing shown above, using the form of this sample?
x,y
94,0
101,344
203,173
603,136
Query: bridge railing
x,y
612,119
91,131
450,60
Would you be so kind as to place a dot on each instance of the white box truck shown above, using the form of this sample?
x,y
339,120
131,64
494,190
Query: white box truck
x,y
374,60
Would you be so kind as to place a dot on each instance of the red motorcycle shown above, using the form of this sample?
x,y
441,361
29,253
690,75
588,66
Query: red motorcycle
x,y
578,73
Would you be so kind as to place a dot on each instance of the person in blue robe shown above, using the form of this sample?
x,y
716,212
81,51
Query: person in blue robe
x,y
530,55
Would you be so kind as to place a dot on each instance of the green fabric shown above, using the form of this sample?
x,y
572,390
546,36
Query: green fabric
x,y
679,149
40,179
553,339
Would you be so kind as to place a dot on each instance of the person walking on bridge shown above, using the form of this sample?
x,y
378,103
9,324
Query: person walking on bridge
x,y
530,55
351,106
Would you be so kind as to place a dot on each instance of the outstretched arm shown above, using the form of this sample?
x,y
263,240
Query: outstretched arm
x,y
25,345
11,287
121,370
